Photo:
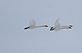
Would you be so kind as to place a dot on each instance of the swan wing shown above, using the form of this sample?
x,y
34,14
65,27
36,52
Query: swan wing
x,y
32,23
57,23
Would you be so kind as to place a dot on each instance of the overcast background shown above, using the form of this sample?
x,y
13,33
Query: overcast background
x,y
15,15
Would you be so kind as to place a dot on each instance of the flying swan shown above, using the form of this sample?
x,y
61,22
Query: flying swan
x,y
32,25
57,26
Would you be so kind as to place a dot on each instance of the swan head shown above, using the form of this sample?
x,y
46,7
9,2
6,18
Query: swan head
x,y
52,28
26,28
46,25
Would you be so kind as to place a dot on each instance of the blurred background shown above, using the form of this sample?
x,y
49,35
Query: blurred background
x,y
15,15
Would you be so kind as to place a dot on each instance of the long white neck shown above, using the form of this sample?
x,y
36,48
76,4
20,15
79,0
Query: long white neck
x,y
40,26
64,27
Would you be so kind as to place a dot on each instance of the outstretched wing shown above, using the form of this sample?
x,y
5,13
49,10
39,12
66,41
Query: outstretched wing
x,y
57,23
32,22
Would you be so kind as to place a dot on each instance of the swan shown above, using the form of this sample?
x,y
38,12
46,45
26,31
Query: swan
x,y
57,26
33,25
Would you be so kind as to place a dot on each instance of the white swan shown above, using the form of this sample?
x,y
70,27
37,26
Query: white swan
x,y
57,26
33,25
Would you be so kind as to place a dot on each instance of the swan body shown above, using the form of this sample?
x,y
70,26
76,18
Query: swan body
x,y
57,26
33,25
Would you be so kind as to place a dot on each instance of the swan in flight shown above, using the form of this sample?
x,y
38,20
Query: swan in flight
x,y
57,26
32,25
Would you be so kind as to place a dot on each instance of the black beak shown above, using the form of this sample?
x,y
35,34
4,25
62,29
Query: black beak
x,y
46,26
26,28
51,29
